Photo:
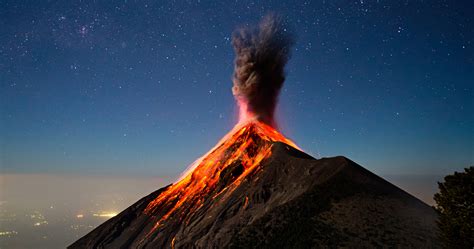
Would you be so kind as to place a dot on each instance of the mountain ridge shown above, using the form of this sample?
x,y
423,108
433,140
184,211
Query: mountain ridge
x,y
293,201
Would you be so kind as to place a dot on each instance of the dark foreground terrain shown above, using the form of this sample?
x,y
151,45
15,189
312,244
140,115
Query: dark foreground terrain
x,y
295,201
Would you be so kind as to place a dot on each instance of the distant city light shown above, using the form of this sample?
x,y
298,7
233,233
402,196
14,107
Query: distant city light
x,y
80,216
111,214
40,223
8,233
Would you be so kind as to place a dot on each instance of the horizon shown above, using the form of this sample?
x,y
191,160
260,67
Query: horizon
x,y
37,209
423,190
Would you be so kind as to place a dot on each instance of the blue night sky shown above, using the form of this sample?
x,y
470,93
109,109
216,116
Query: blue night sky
x,y
144,87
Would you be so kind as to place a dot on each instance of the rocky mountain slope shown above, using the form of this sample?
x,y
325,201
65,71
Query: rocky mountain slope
x,y
268,194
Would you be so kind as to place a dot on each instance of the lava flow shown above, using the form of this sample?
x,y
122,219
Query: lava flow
x,y
217,173
261,55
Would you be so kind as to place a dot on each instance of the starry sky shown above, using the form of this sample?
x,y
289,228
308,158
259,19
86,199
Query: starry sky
x,y
144,87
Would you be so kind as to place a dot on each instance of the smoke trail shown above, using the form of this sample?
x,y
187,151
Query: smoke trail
x,y
261,55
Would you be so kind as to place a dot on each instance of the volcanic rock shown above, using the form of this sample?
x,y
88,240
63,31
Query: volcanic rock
x,y
286,199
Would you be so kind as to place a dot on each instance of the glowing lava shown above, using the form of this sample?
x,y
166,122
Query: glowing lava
x,y
218,173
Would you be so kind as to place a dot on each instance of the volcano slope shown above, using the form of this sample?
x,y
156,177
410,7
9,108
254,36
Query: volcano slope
x,y
254,190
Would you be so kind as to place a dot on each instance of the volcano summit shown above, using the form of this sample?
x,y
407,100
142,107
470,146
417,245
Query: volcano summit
x,y
257,189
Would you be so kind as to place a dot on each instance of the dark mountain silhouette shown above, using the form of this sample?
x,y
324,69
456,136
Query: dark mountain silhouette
x,y
255,190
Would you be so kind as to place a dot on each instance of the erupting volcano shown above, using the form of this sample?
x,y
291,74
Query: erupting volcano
x,y
256,188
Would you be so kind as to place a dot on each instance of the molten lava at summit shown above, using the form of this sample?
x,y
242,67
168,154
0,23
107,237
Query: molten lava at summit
x,y
216,174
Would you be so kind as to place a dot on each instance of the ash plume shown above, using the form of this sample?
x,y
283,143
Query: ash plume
x,y
261,54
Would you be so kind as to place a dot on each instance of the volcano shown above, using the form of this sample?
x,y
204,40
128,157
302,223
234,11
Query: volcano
x,y
256,189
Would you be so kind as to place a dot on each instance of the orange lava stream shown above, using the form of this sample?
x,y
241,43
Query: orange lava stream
x,y
244,147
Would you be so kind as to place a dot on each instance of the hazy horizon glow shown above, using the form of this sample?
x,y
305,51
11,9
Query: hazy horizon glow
x,y
53,210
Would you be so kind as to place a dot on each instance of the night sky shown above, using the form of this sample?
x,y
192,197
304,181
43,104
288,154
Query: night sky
x,y
144,87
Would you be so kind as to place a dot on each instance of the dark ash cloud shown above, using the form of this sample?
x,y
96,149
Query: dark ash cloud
x,y
261,54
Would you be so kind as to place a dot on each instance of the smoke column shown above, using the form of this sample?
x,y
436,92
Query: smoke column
x,y
261,55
